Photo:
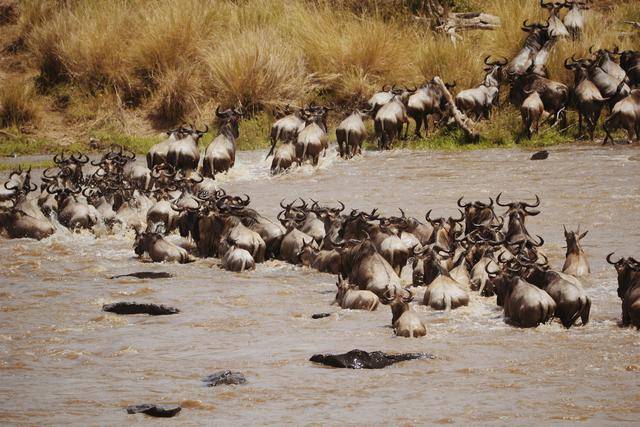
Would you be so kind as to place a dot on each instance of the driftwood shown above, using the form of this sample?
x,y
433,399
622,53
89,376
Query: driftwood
x,y
460,118
633,24
452,22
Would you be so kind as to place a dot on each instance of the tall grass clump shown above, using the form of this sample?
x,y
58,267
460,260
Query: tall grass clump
x,y
257,69
176,96
154,63
18,105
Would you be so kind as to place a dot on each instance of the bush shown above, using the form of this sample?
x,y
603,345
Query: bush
x,y
18,104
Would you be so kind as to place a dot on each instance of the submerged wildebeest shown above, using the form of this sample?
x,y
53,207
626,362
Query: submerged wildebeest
x,y
628,270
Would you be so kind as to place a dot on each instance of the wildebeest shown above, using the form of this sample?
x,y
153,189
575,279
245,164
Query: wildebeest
x,y
628,270
286,128
481,99
17,221
571,300
574,19
556,27
587,97
237,259
284,157
405,321
630,63
425,101
158,153
159,248
536,38
220,155
354,299
626,115
351,132
531,111
524,304
444,293
378,99
576,262
365,267
323,260
312,139
554,94
391,117
184,153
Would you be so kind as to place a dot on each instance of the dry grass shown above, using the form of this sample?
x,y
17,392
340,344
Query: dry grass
x,y
257,69
18,105
175,61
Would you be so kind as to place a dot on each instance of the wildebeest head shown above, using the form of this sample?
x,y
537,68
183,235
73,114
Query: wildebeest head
x,y
477,214
358,224
229,120
504,279
524,207
20,181
307,251
573,239
493,70
398,300
628,270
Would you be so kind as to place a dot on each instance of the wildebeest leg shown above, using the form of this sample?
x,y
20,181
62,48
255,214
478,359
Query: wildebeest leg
x,y
586,117
562,113
594,122
418,119
400,130
425,121
631,133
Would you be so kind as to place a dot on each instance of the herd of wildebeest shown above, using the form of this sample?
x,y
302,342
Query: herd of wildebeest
x,y
479,251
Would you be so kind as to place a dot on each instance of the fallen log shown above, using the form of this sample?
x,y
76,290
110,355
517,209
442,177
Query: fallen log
x,y
452,22
460,118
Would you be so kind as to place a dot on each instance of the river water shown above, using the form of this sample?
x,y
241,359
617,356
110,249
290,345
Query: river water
x,y
64,361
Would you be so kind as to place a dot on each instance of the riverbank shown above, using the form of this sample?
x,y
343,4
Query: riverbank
x,y
58,93
502,131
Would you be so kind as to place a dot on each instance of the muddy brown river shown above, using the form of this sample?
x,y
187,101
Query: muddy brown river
x,y
64,361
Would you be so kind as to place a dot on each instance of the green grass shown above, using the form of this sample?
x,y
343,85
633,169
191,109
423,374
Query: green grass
x,y
254,132
501,131
26,165
137,144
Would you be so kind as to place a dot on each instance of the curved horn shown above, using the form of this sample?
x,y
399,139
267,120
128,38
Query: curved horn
x,y
341,208
608,258
532,206
567,65
10,188
539,243
460,200
428,216
498,201
461,217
